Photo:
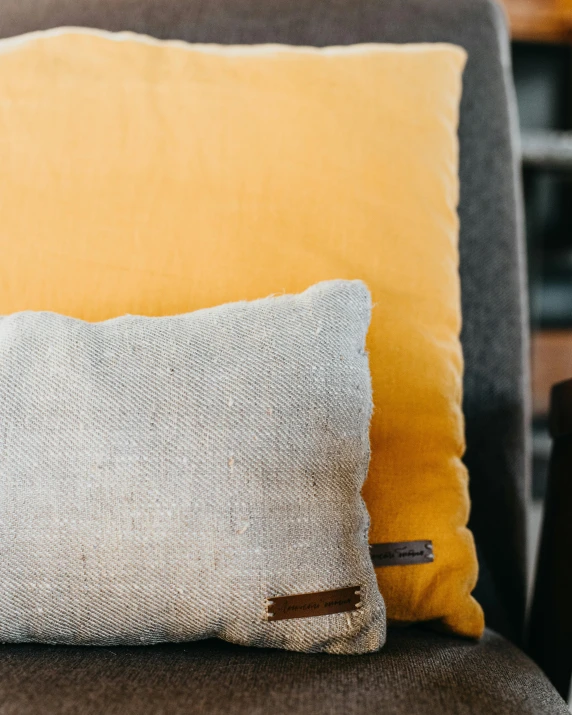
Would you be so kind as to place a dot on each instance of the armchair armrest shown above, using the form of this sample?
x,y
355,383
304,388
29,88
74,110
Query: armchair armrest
x,y
550,624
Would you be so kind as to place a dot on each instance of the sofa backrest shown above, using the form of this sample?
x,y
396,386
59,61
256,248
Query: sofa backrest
x,y
492,254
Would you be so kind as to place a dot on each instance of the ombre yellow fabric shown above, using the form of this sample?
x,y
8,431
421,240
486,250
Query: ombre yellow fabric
x,y
154,178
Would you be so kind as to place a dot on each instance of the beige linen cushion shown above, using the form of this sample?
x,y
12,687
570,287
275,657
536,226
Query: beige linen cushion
x,y
162,478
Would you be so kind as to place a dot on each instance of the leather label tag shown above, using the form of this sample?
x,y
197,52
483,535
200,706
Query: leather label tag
x,y
306,605
402,553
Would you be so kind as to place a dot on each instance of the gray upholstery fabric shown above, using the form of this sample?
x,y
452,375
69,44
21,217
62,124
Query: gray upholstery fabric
x,y
162,478
492,274
415,674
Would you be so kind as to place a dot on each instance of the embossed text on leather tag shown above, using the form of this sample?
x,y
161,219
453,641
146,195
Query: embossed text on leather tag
x,y
402,553
306,605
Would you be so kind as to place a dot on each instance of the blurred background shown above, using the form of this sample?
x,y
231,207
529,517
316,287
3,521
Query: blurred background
x,y
541,33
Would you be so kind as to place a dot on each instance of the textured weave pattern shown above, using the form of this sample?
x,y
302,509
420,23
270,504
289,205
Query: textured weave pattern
x,y
160,478
415,674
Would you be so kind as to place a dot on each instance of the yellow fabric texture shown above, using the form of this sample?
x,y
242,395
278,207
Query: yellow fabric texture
x,y
156,178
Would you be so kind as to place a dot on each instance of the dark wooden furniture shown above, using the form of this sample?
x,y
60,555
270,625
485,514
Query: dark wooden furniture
x,y
550,629
540,20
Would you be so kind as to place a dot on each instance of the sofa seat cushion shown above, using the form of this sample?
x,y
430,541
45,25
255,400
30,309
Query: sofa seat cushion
x,y
417,672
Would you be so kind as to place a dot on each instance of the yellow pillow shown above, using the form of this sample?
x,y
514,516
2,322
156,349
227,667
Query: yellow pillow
x,y
155,177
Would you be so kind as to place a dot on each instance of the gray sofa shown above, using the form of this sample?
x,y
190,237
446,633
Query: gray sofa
x,y
419,671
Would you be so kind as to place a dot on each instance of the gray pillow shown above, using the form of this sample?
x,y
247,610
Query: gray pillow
x,y
171,479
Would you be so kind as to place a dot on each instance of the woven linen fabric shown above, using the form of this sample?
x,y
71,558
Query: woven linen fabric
x,y
161,478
